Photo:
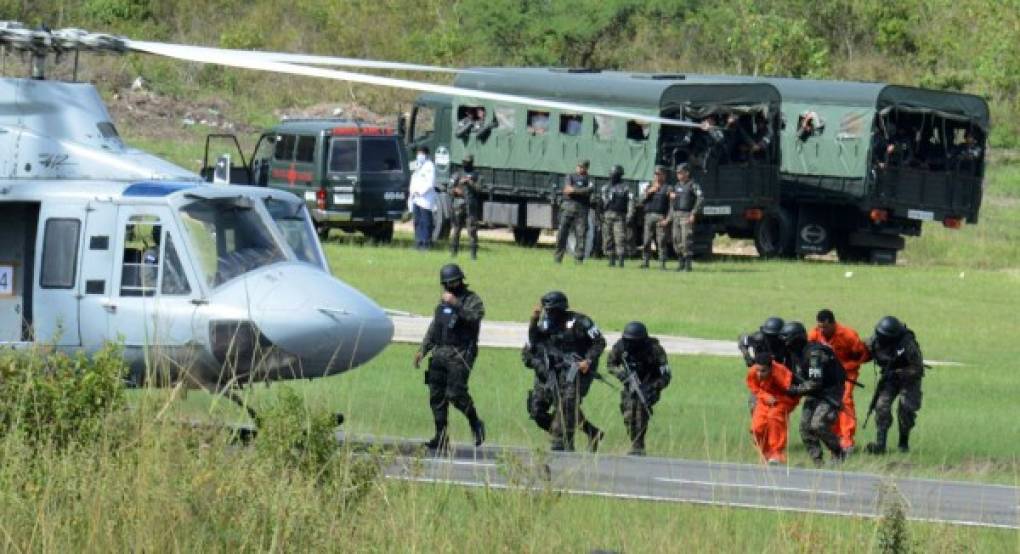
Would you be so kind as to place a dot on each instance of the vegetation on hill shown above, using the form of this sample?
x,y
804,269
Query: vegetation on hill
x,y
948,44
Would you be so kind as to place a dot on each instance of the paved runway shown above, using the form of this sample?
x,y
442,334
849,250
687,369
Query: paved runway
x,y
723,484
409,328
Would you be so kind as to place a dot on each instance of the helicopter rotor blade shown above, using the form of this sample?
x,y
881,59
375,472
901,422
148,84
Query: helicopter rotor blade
x,y
242,59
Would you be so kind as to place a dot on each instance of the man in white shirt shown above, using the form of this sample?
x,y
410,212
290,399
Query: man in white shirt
x,y
422,199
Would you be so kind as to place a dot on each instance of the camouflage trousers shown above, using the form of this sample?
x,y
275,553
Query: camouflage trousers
x,y
683,235
655,233
910,403
461,219
816,419
636,415
572,218
614,234
447,378
556,408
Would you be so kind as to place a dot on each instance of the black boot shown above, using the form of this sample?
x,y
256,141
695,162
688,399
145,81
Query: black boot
x,y
680,265
688,263
878,447
474,252
644,263
612,260
637,442
595,436
441,441
477,426
904,445
621,260
662,263
453,250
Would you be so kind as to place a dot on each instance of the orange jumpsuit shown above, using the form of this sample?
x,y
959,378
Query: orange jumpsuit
x,y
769,424
851,352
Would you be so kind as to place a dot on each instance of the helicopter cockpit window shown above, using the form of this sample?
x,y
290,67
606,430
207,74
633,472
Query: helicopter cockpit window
x,y
229,238
107,130
297,228
139,273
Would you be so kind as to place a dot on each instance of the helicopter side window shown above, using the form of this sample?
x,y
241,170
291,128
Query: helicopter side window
x,y
140,267
175,282
60,253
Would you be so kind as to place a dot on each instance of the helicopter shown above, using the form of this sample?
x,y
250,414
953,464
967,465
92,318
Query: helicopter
x,y
213,285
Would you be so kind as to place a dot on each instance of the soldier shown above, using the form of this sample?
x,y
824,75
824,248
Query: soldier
x,y
765,339
655,202
452,339
819,378
851,352
618,203
569,344
465,205
899,358
640,363
685,201
574,212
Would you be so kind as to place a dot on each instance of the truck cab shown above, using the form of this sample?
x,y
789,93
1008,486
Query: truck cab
x,y
352,175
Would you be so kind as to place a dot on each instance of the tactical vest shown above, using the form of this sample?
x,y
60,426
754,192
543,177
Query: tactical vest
x,y
469,194
580,182
644,362
452,330
818,357
571,337
658,203
617,198
685,197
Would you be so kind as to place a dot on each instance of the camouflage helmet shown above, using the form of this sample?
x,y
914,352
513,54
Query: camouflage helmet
x,y
772,327
635,330
793,332
450,273
889,327
554,300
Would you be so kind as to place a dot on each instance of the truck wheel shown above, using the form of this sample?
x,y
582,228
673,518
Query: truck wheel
x,y
526,236
380,232
774,235
853,254
323,232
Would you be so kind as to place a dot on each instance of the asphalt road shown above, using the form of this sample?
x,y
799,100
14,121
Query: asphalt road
x,y
738,485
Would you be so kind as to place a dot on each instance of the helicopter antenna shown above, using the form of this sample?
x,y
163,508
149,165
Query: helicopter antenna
x,y
41,43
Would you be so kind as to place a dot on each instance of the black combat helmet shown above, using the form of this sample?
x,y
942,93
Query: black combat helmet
x,y
554,300
635,331
772,327
450,273
793,333
889,327
616,173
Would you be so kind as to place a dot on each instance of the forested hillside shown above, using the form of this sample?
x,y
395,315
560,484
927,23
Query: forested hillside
x,y
968,45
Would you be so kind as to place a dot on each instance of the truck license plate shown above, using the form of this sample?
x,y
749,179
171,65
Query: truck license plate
x,y
343,198
717,210
920,215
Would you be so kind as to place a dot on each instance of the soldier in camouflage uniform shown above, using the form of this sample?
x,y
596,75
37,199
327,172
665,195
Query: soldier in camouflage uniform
x,y
639,355
465,205
819,378
895,350
574,212
618,203
685,201
655,201
452,339
561,341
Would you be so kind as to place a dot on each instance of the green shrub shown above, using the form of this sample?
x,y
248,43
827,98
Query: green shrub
x,y
54,398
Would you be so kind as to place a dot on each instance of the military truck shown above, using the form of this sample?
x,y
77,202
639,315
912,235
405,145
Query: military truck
x,y
353,175
848,166
865,164
523,153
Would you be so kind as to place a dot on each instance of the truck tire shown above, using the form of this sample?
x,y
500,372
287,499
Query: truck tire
x,y
380,232
853,254
323,232
775,234
442,218
526,236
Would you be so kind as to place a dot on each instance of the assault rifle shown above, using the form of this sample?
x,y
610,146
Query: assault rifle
x,y
558,359
633,385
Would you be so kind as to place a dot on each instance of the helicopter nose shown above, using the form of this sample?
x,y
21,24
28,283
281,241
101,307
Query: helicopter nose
x,y
328,325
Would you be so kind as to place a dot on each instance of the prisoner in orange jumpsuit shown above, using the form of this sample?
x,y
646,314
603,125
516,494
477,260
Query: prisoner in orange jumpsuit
x,y
768,380
851,352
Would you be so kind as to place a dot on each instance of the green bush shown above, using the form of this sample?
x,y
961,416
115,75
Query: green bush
x,y
54,398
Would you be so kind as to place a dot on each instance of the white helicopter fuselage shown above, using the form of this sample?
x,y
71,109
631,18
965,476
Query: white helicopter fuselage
x,y
214,285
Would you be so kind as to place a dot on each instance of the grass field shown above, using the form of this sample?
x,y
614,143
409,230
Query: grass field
x,y
967,427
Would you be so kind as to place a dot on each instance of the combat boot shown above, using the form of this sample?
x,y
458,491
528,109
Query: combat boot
x,y
477,426
680,265
878,447
453,251
637,445
662,264
595,436
904,445
441,441
612,260
474,252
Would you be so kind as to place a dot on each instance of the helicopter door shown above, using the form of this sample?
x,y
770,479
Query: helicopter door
x,y
152,301
97,273
55,298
